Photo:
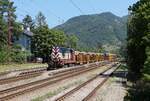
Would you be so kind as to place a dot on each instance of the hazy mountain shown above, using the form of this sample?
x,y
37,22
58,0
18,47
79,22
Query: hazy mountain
x,y
106,29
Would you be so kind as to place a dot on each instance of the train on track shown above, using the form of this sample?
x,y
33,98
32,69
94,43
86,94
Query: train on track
x,y
61,56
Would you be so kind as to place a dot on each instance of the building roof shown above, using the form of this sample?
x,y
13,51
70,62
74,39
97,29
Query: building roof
x,y
28,33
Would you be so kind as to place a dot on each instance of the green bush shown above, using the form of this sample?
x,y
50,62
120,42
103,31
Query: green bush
x,y
139,91
146,68
19,56
4,56
13,54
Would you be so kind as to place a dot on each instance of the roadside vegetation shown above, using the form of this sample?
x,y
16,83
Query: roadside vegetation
x,y
138,51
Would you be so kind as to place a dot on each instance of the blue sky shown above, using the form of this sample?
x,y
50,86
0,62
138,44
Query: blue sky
x,y
59,11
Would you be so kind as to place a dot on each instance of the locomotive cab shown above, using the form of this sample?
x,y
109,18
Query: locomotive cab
x,y
61,56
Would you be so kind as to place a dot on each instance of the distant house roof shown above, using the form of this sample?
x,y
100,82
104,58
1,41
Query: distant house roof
x,y
28,33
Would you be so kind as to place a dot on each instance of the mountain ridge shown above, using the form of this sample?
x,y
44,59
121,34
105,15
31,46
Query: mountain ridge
x,y
104,28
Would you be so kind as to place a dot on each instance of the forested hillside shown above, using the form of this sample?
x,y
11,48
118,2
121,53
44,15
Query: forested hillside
x,y
98,30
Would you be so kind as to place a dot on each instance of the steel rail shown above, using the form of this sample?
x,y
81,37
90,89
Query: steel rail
x,y
70,74
61,98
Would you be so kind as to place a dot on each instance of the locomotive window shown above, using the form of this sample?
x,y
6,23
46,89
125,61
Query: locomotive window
x,y
63,51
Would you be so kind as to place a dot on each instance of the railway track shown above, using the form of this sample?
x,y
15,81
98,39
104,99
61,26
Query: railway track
x,y
88,86
22,89
28,75
34,70
23,71
99,85
22,76
4,73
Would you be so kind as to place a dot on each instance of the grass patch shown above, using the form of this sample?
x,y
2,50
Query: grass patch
x,y
113,79
122,67
13,66
52,93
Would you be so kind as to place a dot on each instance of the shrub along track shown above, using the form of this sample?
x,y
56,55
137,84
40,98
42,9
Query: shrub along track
x,y
22,89
102,78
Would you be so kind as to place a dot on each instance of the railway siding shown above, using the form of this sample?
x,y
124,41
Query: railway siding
x,y
81,92
33,87
113,90
82,77
45,75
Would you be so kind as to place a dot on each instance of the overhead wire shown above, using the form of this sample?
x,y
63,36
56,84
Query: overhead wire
x,y
25,12
60,19
76,6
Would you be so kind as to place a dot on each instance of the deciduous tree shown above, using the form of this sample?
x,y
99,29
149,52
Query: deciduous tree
x,y
43,41
72,41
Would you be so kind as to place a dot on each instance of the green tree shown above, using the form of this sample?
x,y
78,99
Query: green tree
x,y
138,51
146,69
9,13
72,41
137,35
28,22
3,34
123,51
41,20
7,23
43,41
100,47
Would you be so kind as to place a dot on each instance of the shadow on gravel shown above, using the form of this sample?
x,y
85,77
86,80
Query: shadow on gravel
x,y
121,75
